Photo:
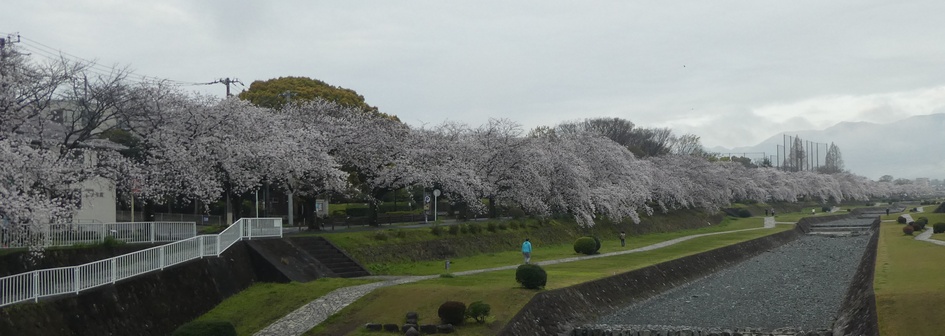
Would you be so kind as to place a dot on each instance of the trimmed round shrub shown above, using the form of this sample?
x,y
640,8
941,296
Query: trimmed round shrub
x,y
585,245
203,328
825,209
744,213
938,228
531,276
901,220
922,220
452,312
478,311
908,229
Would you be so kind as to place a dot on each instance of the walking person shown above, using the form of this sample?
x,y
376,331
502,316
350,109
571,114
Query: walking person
x,y
623,239
527,250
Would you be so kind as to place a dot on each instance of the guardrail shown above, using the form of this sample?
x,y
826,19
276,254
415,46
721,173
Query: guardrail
x,y
74,279
92,233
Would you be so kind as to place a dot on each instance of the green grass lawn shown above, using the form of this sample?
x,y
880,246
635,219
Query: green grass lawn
x,y
495,288
264,303
499,289
909,282
551,252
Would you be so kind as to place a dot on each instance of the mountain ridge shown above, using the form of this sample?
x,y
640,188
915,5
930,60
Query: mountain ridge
x,y
903,148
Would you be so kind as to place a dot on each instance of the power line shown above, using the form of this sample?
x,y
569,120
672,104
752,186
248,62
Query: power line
x,y
55,54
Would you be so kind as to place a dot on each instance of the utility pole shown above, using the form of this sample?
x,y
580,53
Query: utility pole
x,y
9,39
227,81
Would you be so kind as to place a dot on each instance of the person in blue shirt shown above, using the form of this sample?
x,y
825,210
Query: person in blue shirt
x,y
527,250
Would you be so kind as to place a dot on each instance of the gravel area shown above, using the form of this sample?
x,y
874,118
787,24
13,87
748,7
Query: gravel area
x,y
798,285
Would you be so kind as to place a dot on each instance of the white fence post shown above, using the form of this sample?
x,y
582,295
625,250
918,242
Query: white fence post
x,y
35,286
103,231
250,228
76,280
161,257
114,269
152,232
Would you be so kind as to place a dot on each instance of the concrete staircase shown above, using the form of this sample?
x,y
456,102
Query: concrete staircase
x,y
335,260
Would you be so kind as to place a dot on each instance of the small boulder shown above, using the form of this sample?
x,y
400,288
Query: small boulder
x,y
373,326
412,332
428,329
391,327
408,326
445,329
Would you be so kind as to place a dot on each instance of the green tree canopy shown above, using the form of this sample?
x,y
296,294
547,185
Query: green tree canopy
x,y
275,93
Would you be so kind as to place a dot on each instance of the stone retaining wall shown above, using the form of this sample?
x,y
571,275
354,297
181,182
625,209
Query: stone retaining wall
x,y
151,304
857,314
558,311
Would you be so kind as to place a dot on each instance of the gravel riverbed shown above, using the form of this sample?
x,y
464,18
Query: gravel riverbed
x,y
798,285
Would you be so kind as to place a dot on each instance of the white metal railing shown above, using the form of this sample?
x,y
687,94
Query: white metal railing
x,y
72,280
92,233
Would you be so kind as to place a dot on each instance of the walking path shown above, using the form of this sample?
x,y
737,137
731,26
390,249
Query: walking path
x,y
315,312
926,236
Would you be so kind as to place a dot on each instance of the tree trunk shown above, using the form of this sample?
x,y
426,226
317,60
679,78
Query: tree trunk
x,y
493,209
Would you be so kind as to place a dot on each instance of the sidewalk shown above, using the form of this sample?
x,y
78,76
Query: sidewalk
x,y
315,312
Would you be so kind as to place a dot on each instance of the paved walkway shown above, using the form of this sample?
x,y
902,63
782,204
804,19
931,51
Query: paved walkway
x,y
926,236
315,312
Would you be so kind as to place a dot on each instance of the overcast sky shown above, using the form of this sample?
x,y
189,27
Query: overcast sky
x,y
732,72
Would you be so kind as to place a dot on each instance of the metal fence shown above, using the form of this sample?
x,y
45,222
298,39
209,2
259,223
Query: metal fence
x,y
93,233
125,216
72,280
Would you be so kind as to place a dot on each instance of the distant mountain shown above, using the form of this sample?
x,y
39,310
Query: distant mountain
x,y
908,148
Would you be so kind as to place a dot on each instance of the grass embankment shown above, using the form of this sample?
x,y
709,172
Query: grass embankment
x,y
512,256
264,303
498,288
909,286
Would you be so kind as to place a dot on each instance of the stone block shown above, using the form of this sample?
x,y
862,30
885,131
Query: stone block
x,y
445,328
391,327
428,329
408,326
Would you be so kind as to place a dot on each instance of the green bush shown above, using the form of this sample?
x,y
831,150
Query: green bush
x,y
825,209
491,227
452,312
380,235
920,223
908,229
475,228
463,228
513,224
478,311
938,227
744,213
436,230
206,328
922,220
531,276
400,233
597,243
516,213
901,220
454,229
585,245
111,242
